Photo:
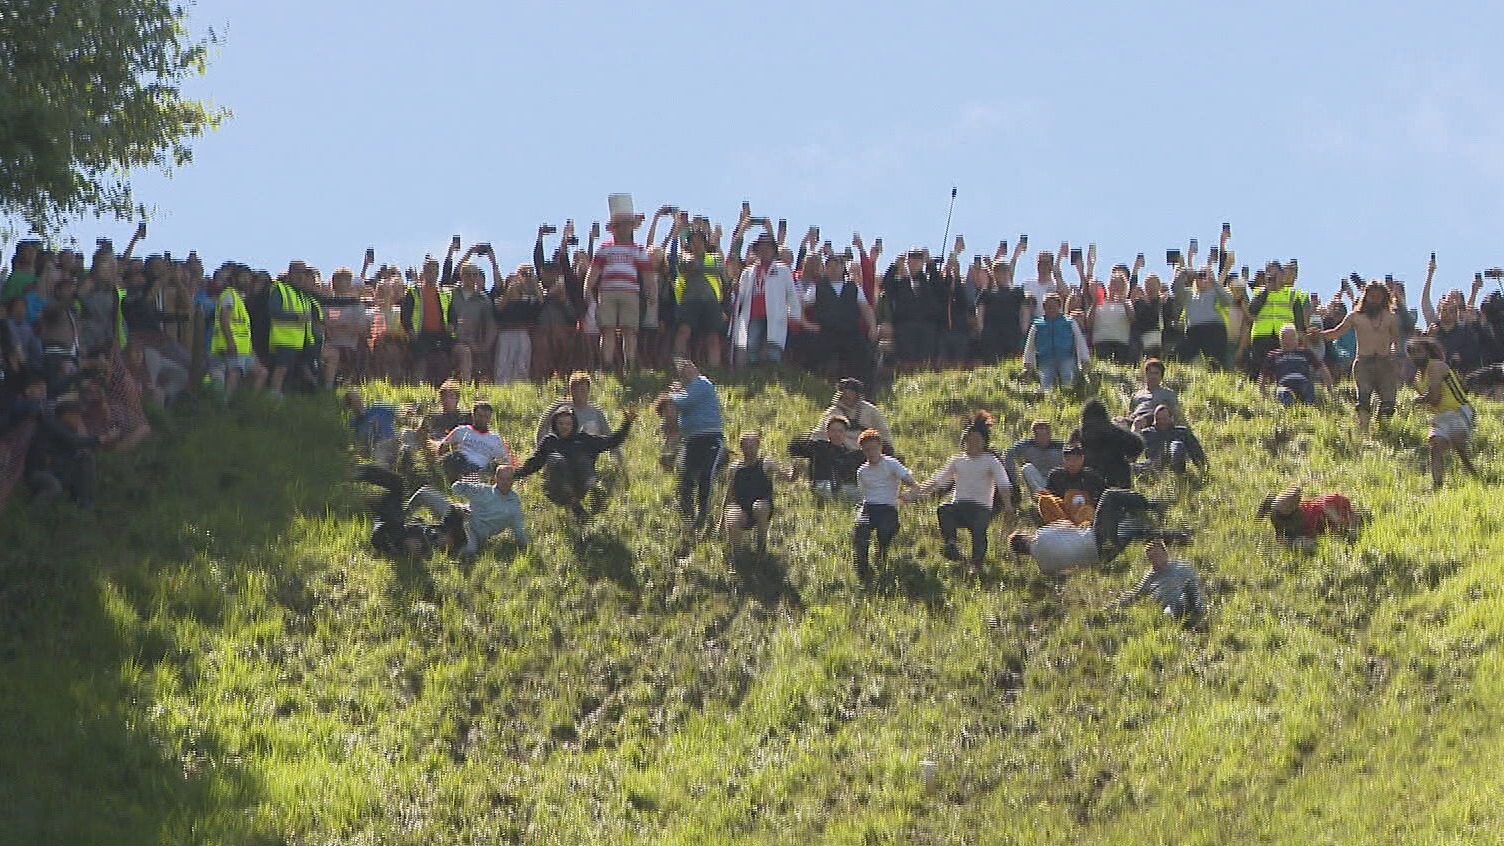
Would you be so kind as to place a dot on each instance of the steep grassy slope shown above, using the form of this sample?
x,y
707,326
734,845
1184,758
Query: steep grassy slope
x,y
217,658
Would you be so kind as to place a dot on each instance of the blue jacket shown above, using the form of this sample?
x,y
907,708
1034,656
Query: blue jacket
x,y
699,408
1054,338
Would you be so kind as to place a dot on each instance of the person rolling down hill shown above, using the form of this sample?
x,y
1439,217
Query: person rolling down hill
x,y
1173,584
567,455
980,483
1062,546
392,533
1299,520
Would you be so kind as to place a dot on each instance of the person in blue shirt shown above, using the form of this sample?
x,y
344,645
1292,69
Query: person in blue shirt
x,y
374,425
702,439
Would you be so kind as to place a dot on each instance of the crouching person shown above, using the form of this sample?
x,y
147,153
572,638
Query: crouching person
x,y
1172,583
1299,520
749,504
567,458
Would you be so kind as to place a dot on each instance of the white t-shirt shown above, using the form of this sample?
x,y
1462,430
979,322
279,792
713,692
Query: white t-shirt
x,y
975,478
1060,547
1111,323
879,482
477,447
1037,289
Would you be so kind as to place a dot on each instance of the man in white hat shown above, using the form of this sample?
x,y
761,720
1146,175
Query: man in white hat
x,y
615,282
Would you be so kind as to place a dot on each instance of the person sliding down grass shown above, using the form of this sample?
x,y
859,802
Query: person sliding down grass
x,y
567,458
749,504
979,482
1072,491
1172,583
493,509
1298,520
1062,546
832,464
878,481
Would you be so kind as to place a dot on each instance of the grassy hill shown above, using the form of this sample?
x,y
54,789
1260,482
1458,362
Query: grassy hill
x,y
215,657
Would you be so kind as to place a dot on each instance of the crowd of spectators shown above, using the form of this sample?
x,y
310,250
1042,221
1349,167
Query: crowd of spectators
x,y
87,341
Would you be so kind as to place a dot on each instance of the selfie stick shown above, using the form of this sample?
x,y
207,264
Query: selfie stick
x,y
946,240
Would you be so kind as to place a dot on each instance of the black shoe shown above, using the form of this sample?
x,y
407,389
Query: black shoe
x,y
951,552
864,573
579,512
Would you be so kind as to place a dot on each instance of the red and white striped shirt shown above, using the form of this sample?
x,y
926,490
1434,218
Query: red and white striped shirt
x,y
619,266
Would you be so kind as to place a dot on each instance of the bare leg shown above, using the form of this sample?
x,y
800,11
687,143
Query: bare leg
x,y
628,350
465,360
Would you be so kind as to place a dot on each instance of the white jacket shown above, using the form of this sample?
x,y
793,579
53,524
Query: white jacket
x,y
782,300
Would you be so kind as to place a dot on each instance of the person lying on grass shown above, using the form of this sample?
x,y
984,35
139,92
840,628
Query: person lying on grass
x,y
1062,547
1298,520
979,487
1171,582
392,533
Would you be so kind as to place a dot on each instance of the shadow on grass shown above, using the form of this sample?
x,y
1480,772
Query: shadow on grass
x,y
602,555
765,579
87,641
903,576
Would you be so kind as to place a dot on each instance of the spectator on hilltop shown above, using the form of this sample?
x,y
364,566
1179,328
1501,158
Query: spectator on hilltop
x,y
1204,302
614,284
1462,340
428,318
517,301
475,317
1055,349
767,304
836,310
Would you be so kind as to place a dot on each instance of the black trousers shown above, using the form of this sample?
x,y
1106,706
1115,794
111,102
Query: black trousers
x,y
1205,339
1117,521
882,519
848,348
972,516
701,454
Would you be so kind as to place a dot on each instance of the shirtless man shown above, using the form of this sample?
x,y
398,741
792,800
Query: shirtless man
x,y
1378,334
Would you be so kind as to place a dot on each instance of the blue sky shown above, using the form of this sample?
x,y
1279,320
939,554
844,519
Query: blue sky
x,y
1355,137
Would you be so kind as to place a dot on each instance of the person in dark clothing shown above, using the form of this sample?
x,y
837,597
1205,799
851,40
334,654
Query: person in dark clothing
x,y
1293,370
1071,492
567,458
1168,444
917,304
1110,449
837,309
1000,309
749,505
957,315
61,457
392,533
832,464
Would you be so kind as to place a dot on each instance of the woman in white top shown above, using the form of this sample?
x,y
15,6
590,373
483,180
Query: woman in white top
x,y
979,480
878,481
1112,321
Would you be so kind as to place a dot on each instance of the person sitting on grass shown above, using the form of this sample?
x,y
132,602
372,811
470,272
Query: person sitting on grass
x,y
589,417
1298,520
374,426
1142,402
567,458
1071,493
832,464
1110,449
979,485
1452,415
749,504
1172,582
1040,454
1062,546
1169,445
668,432
450,414
1292,370
860,415
494,508
471,448
877,480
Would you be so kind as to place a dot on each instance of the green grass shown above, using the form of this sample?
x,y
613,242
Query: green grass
x,y
215,657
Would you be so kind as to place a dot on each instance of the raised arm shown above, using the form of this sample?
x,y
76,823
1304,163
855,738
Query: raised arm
x,y
1426,309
